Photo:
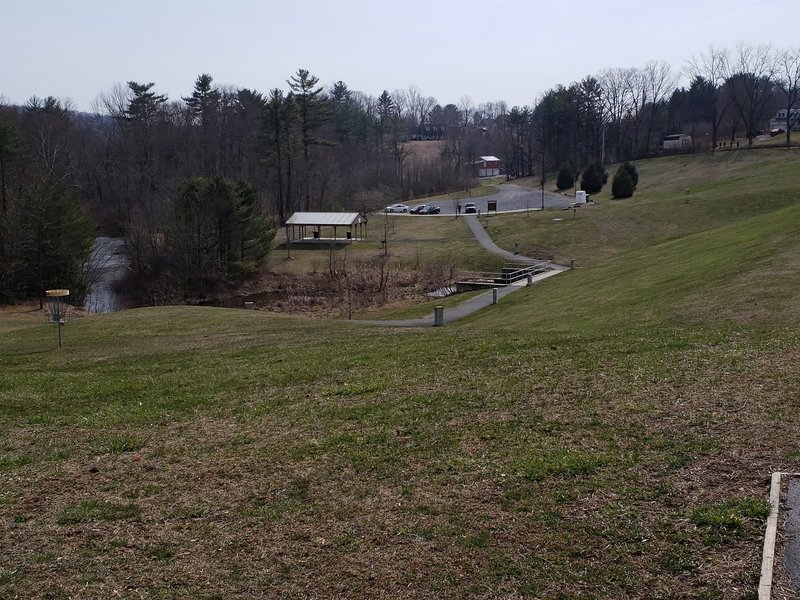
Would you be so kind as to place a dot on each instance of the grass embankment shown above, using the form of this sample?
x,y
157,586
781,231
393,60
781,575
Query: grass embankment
x,y
606,433
676,196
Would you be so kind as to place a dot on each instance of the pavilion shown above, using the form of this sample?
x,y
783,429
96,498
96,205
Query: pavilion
x,y
352,225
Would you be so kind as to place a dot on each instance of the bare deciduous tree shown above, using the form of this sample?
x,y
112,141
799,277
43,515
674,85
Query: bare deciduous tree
x,y
788,80
749,78
465,106
618,101
711,67
659,82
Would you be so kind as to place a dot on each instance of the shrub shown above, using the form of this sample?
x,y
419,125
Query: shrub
x,y
566,176
631,169
594,178
622,185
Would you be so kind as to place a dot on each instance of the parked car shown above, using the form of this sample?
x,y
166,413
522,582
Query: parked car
x,y
430,209
470,208
396,208
418,209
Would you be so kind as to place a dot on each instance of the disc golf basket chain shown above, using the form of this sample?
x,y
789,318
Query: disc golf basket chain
x,y
58,311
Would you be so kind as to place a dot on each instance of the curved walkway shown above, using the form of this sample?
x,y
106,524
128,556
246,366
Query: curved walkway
x,y
486,241
482,300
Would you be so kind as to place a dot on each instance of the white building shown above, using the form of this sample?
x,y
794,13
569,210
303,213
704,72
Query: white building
x,y
679,142
778,122
487,166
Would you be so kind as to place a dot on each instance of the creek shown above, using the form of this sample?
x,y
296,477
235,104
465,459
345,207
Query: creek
x,y
109,266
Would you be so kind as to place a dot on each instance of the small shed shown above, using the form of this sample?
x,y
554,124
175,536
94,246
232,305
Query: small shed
x,y
487,166
678,142
326,226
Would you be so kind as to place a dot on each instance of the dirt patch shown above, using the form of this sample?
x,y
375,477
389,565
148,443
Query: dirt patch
x,y
427,151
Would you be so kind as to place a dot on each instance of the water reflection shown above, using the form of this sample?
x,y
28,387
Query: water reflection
x,y
108,266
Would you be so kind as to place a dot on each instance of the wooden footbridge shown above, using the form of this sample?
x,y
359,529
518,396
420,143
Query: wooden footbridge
x,y
511,273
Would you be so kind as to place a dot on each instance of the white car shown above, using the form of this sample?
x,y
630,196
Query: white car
x,y
396,208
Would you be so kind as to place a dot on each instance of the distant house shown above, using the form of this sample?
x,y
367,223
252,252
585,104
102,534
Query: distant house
x,y
777,123
678,142
429,131
487,166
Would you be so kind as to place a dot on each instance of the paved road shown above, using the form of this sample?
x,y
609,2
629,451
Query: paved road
x,y
510,197
482,300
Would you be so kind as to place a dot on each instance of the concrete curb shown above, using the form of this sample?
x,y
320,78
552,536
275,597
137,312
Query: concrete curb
x,y
770,535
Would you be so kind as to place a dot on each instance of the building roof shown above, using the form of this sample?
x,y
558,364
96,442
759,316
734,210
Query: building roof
x,y
345,219
489,158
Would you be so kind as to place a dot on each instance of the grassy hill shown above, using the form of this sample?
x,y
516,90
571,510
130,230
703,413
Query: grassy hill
x,y
676,196
609,432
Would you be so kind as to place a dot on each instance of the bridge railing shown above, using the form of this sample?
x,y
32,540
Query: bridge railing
x,y
510,273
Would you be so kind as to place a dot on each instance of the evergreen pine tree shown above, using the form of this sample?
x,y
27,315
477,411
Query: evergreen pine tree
x,y
566,176
594,178
622,185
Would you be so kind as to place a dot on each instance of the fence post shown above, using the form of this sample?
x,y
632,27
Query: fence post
x,y
438,316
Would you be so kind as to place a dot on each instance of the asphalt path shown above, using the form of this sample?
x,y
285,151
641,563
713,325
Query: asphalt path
x,y
509,198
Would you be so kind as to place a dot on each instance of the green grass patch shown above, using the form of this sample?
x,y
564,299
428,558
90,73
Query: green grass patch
x,y
13,462
558,463
11,576
96,510
160,553
731,514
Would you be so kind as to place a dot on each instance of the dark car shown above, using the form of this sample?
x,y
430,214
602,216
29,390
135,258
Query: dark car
x,y
430,209
418,209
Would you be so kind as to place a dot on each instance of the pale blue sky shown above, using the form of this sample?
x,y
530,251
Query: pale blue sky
x,y
507,49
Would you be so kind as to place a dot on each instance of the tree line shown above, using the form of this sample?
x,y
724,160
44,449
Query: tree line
x,y
623,114
197,185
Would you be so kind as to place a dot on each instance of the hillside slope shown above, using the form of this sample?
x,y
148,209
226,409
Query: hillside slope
x,y
676,196
607,433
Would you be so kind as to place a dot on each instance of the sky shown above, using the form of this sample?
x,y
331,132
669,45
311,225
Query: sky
x,y
508,50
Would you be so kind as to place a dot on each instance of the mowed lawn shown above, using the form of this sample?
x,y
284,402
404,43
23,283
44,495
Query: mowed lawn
x,y
609,432
676,196
414,241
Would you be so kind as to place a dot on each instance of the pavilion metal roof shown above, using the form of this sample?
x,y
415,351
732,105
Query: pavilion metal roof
x,y
345,219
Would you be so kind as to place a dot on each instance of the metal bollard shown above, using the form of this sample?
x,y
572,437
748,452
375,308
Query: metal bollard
x,y
494,295
530,279
572,263
438,316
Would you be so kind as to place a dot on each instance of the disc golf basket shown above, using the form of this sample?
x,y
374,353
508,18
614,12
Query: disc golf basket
x,y
58,311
